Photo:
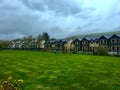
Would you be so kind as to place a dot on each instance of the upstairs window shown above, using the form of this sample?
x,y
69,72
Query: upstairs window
x,y
83,42
105,41
91,42
117,40
113,40
77,43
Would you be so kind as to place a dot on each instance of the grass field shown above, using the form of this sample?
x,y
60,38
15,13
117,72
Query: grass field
x,y
49,71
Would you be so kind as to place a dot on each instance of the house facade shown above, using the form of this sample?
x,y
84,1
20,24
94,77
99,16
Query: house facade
x,y
104,42
62,44
114,43
93,44
69,44
47,45
85,44
111,43
77,44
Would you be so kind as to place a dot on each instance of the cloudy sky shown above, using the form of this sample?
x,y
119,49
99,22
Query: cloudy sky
x,y
60,18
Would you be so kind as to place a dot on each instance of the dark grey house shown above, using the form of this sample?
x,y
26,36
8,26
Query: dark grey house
x,y
85,44
104,42
77,44
114,43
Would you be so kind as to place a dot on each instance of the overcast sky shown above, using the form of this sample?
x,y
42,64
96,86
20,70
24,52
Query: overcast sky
x,y
60,18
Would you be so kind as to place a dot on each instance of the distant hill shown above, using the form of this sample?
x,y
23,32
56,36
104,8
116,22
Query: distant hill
x,y
93,35
0,41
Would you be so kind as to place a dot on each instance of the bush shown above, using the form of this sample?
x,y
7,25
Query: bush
x,y
10,84
101,50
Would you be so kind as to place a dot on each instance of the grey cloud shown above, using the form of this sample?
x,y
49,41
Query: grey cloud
x,y
86,13
57,17
34,5
28,25
56,30
90,22
5,7
15,23
80,28
60,7
11,36
8,8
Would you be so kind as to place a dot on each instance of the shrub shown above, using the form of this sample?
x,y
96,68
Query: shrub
x,y
101,50
10,84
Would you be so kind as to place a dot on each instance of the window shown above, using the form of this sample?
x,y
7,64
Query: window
x,y
105,41
91,42
83,42
90,48
117,40
113,48
117,48
77,43
113,40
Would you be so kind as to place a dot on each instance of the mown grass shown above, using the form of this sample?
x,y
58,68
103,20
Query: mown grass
x,y
49,71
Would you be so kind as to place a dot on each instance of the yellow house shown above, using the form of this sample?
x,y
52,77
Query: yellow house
x,y
41,44
93,44
69,45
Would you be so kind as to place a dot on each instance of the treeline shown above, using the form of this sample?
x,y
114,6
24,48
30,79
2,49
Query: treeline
x,y
44,36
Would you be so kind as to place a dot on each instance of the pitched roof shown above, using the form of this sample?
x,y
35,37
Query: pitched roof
x,y
105,36
118,35
77,39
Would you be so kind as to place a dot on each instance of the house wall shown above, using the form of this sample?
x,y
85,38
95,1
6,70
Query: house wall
x,y
85,45
104,43
115,44
69,45
42,44
93,45
77,45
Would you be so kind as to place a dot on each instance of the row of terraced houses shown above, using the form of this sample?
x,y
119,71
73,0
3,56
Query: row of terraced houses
x,y
110,42
86,44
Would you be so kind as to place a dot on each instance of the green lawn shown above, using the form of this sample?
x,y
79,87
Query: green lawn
x,y
49,71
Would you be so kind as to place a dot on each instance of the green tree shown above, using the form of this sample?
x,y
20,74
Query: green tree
x,y
30,38
39,38
46,36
